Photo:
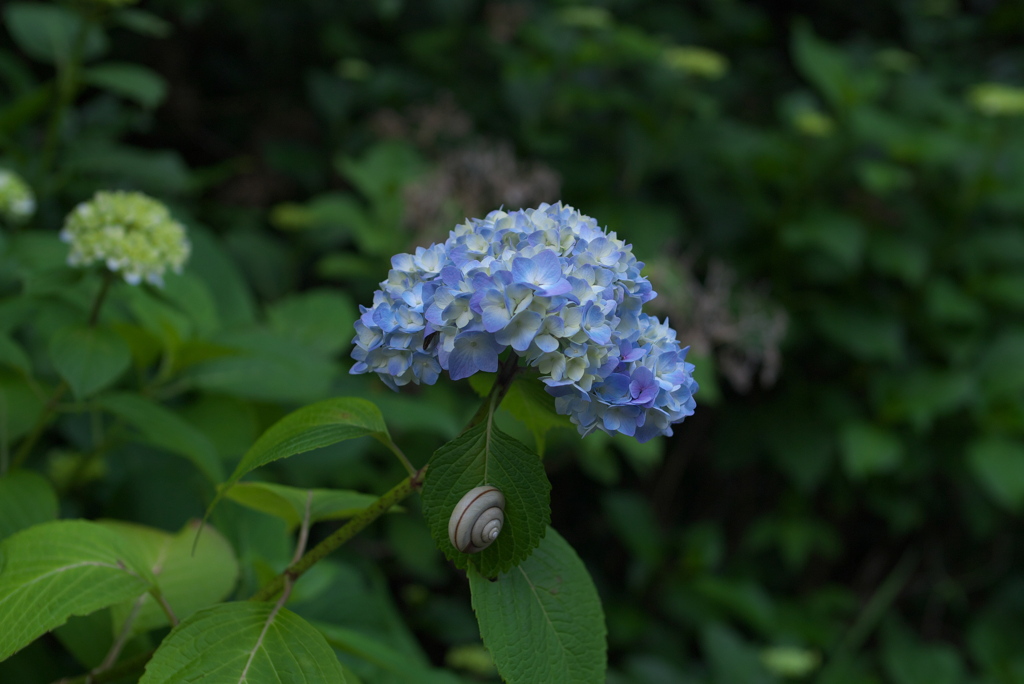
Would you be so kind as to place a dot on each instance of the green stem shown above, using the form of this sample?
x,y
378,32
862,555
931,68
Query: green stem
x,y
876,607
340,536
37,430
97,304
117,672
506,374
406,463
51,405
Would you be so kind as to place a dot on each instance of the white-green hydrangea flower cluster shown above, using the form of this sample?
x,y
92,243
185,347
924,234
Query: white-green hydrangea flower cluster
x,y
17,201
131,233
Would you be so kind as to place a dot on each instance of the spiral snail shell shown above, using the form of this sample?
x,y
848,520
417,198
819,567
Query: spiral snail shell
x,y
477,519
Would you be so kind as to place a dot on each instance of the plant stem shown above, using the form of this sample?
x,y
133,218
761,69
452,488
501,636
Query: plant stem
x,y
506,374
119,671
340,536
51,405
37,430
94,312
158,596
406,463
875,608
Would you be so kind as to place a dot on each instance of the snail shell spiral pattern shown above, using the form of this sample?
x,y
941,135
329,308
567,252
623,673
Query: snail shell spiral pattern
x,y
477,519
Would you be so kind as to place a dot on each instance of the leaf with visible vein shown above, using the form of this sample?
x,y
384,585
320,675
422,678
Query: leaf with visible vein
x,y
486,455
311,427
289,503
52,571
241,642
190,579
542,621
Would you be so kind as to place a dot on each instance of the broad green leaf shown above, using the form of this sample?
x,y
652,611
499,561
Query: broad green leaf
x,y
382,655
265,367
26,499
542,620
869,336
192,296
837,235
224,281
831,70
320,319
20,405
13,356
730,658
159,317
289,503
132,81
47,32
485,455
62,568
311,427
164,429
909,661
142,22
159,172
244,642
868,450
190,578
333,212
529,403
899,256
998,465
89,358
1002,365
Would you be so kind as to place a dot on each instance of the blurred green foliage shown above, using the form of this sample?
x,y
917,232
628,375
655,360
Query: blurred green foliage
x,y
830,199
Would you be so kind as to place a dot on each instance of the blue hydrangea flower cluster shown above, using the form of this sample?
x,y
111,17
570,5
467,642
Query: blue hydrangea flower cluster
x,y
559,290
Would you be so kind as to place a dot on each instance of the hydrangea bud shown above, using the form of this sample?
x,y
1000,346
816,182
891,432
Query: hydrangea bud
x,y
17,202
565,295
131,233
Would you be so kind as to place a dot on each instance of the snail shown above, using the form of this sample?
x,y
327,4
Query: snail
x,y
477,519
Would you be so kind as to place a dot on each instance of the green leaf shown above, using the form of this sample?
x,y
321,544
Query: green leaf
x,y
164,429
382,655
26,499
236,642
266,367
48,32
131,81
868,450
89,358
908,661
485,455
837,235
59,569
542,621
13,356
20,405
190,578
319,319
289,503
830,69
529,403
731,659
869,336
142,22
158,172
311,427
998,465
